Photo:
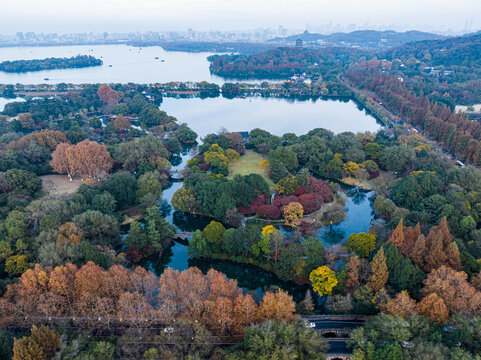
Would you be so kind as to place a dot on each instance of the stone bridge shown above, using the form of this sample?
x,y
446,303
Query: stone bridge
x,y
338,356
182,237
335,333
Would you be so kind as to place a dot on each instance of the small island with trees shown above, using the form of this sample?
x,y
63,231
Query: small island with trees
x,y
79,61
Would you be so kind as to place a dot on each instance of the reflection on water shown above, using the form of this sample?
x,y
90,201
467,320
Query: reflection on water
x,y
359,215
279,116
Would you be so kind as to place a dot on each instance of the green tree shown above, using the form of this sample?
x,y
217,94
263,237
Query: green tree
x,y
16,265
149,183
122,186
198,246
136,237
280,340
213,233
362,244
104,202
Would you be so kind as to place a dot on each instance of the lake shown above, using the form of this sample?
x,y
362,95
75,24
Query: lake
x,y
129,64
275,115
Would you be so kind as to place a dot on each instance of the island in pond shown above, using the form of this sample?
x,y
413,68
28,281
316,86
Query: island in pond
x,y
79,61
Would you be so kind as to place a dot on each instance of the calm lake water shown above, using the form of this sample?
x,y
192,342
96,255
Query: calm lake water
x,y
129,64
275,115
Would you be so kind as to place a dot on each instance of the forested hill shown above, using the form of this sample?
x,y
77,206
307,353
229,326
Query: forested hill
x,y
78,61
285,61
365,38
457,51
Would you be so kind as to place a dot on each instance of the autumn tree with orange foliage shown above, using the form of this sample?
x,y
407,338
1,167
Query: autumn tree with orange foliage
x,y
278,305
121,123
453,287
47,139
107,95
87,158
352,274
99,297
69,232
401,305
433,308
428,252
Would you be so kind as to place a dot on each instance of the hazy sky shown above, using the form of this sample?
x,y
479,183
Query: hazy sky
x,y
160,15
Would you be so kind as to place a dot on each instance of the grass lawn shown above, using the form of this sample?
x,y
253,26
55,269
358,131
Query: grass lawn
x,y
249,164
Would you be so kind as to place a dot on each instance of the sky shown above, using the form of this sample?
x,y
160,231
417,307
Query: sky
x,y
164,15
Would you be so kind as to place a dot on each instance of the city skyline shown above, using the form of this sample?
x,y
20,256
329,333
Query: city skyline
x,y
179,15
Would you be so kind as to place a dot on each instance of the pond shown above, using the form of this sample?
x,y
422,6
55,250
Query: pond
x,y
252,279
279,116
359,215
276,115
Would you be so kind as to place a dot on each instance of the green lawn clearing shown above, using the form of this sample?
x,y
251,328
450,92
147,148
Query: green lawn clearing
x,y
249,164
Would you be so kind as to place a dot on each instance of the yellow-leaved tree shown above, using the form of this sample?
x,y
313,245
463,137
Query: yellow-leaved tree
x,y
292,212
323,280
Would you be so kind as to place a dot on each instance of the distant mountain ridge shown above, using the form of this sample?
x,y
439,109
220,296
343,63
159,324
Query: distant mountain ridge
x,y
460,51
364,38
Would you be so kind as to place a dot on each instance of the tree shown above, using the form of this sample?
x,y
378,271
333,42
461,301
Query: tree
x,y
395,158
280,340
121,123
323,280
136,237
351,168
69,232
26,121
152,183
352,274
16,265
87,158
122,186
98,228
287,186
363,243
107,95
379,270
59,162
452,286
264,164
183,200
289,265
23,182
198,246
277,306
232,155
433,308
372,150
213,233
402,305
41,344
104,202
397,237
292,212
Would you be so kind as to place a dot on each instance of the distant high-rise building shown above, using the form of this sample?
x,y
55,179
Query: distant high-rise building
x,y
299,43
19,36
